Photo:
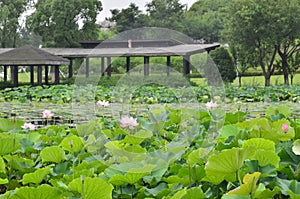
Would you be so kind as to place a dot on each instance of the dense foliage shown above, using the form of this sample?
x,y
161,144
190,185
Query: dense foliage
x,y
224,63
59,29
10,12
147,94
172,153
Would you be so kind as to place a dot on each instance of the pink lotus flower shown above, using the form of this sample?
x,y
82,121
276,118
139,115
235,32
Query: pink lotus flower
x,y
285,127
211,105
129,122
29,126
102,103
47,114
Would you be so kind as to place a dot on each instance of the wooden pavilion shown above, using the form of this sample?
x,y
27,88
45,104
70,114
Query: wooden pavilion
x,y
29,56
32,57
133,48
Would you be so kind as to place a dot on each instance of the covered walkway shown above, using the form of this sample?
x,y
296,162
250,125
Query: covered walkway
x,y
105,50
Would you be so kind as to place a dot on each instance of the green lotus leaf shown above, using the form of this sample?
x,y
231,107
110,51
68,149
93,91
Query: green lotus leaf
x,y
260,143
265,157
8,145
179,194
2,165
233,118
226,164
229,130
72,143
296,147
195,192
44,191
263,192
235,196
249,185
23,165
36,177
52,154
91,188
156,190
278,134
8,124
86,129
3,181
132,175
282,109
265,151
138,137
197,156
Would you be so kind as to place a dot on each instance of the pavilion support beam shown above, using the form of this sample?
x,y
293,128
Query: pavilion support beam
x,y
46,75
39,75
168,65
11,73
32,75
87,67
56,74
71,68
146,65
5,73
128,65
109,66
102,66
186,65
15,76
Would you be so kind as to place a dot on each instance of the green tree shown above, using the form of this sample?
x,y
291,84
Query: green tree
x,y
224,63
243,60
205,20
287,32
266,28
63,23
128,18
10,12
166,14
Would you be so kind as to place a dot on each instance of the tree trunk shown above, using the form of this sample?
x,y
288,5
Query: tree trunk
x,y
267,80
285,70
240,80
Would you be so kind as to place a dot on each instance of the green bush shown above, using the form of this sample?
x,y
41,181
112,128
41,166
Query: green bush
x,y
224,63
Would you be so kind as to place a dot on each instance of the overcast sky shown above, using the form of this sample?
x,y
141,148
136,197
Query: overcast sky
x,y
119,4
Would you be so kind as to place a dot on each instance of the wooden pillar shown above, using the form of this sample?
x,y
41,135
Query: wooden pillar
x,y
39,75
128,65
109,66
56,75
32,75
87,67
146,65
186,64
71,68
168,65
46,75
15,76
102,66
11,73
5,73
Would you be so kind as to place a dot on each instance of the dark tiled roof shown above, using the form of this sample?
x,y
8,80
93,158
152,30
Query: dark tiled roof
x,y
28,55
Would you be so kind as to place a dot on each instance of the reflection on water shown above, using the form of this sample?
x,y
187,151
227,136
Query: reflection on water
x,y
72,114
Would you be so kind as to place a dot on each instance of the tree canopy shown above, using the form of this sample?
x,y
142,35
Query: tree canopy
x,y
63,23
265,28
10,13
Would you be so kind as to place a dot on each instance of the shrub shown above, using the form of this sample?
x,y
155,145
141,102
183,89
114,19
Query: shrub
x,y
224,63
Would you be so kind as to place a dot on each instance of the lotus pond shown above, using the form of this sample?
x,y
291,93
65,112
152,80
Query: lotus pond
x,y
246,147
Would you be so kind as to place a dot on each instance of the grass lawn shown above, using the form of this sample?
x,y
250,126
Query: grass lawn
x,y
276,80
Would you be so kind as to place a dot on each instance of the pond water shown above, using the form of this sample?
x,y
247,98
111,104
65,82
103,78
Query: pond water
x,y
73,114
